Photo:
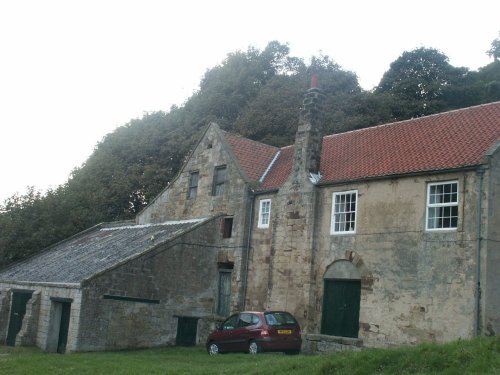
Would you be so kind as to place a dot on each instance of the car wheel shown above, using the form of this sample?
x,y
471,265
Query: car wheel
x,y
253,347
213,349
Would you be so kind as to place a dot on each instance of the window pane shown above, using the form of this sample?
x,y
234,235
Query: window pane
x,y
219,180
442,209
219,189
264,213
227,229
344,212
193,185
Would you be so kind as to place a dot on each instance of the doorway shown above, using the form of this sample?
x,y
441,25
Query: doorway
x,y
341,300
341,308
57,339
20,299
186,331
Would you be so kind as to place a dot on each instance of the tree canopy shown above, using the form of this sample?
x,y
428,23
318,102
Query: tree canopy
x,y
494,51
255,93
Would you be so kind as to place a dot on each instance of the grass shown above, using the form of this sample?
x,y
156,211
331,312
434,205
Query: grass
x,y
479,356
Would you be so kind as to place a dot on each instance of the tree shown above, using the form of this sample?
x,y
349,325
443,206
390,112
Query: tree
x,y
488,78
255,93
30,222
494,51
418,82
272,116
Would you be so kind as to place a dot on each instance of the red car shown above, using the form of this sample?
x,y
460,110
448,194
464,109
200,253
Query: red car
x,y
254,332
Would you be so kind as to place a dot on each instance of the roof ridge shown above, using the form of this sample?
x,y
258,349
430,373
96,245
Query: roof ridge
x,y
261,179
149,225
248,139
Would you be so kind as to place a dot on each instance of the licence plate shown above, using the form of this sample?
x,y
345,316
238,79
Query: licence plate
x,y
284,331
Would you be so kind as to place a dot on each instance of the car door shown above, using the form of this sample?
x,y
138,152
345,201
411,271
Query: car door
x,y
243,333
225,335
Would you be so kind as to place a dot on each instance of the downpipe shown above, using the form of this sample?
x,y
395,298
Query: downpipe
x,y
477,320
247,255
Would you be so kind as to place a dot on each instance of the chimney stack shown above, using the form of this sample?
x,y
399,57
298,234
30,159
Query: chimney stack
x,y
309,137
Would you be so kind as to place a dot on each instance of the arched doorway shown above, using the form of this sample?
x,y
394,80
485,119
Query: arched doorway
x,y
341,299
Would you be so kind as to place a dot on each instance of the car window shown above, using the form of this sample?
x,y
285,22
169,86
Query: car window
x,y
255,319
230,323
280,319
247,319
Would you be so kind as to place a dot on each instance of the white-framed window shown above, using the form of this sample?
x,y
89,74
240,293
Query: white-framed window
x,y
344,212
264,213
442,206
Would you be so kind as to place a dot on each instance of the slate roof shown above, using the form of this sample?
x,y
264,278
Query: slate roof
x,y
449,140
93,251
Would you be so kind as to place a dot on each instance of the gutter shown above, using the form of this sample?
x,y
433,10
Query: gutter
x,y
477,318
397,175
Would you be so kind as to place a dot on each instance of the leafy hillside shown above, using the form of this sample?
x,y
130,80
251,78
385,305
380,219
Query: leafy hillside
x,y
255,93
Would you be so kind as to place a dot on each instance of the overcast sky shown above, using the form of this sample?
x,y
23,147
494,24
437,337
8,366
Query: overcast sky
x,y
73,71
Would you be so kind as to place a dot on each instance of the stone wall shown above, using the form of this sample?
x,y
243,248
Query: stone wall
x,y
177,279
235,203
37,328
323,344
490,242
261,258
27,334
174,204
285,248
5,297
412,281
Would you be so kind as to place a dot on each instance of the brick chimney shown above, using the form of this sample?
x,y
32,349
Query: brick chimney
x,y
309,136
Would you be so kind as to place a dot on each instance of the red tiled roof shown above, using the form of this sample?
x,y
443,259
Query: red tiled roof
x,y
448,140
254,157
280,170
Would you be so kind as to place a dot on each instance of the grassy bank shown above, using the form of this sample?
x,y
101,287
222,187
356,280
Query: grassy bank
x,y
480,356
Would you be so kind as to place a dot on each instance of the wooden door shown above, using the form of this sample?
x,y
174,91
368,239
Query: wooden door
x,y
17,312
224,298
186,331
63,328
341,307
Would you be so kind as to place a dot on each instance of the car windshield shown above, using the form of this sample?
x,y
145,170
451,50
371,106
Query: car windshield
x,y
280,319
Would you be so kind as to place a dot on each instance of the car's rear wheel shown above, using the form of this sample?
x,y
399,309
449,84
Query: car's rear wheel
x,y
253,347
213,349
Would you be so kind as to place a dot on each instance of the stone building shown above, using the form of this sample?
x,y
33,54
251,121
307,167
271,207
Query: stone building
x,y
376,237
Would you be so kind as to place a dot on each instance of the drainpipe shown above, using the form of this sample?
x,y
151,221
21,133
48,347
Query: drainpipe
x,y
249,238
477,329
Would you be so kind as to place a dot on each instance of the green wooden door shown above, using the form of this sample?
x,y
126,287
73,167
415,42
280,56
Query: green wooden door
x,y
17,312
186,331
63,329
341,308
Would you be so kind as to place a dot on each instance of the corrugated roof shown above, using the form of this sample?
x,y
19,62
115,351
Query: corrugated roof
x,y
254,157
93,251
448,140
